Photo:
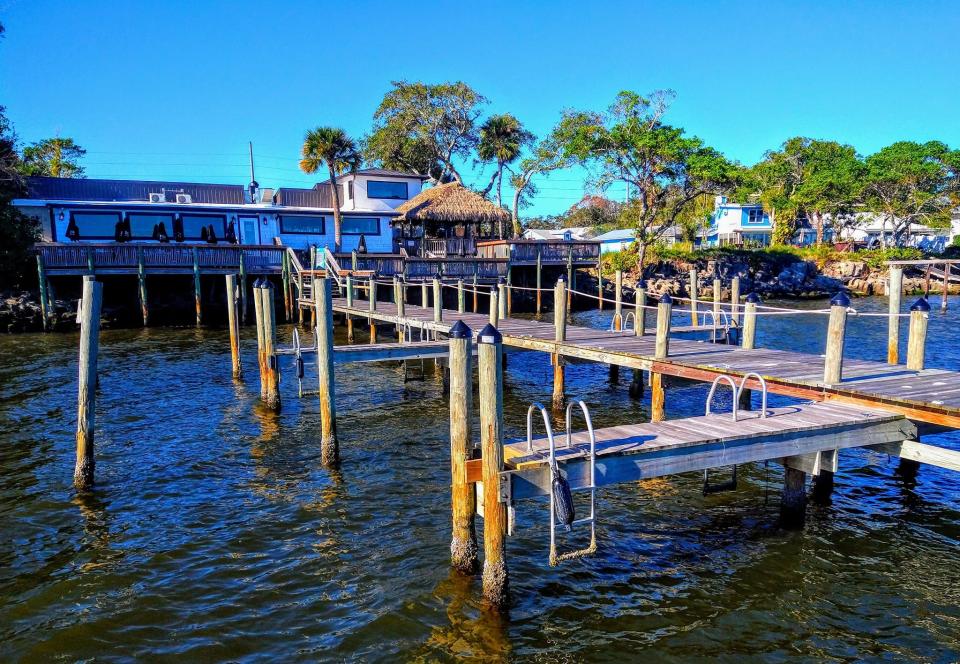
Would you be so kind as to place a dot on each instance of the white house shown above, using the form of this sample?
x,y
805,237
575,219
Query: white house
x,y
738,224
616,240
557,234
91,210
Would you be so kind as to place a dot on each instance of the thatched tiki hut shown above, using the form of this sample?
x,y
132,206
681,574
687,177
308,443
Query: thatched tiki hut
x,y
447,220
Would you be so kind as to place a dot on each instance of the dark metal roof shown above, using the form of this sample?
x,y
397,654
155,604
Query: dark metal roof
x,y
385,173
318,197
82,189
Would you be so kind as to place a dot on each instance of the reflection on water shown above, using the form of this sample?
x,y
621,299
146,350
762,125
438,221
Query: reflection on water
x,y
214,533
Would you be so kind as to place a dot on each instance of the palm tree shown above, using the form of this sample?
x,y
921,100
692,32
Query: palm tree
x,y
338,151
502,138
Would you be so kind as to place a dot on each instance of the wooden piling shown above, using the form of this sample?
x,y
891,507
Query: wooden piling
x,y
372,306
661,350
261,343
570,283
599,284
917,336
501,299
437,301
895,291
349,289
142,287
926,282
476,291
323,301
269,324
463,542
748,339
196,287
639,326
693,297
618,301
87,389
509,288
494,308
401,306
461,302
735,300
495,577
424,294
234,325
946,285
44,296
539,279
836,328
793,503
560,335
244,311
716,299
285,277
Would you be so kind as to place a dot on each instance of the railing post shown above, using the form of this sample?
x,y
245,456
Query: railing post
x,y
895,288
560,335
539,278
694,283
437,300
917,336
87,388
618,301
323,300
349,288
142,284
735,300
424,294
748,340
44,297
196,287
501,299
463,543
233,325
661,351
495,577
285,276
836,328
461,303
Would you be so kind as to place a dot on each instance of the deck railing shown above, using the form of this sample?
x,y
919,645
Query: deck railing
x,y
126,256
551,251
453,246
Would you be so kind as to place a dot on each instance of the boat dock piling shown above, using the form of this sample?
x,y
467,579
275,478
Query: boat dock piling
x,y
87,387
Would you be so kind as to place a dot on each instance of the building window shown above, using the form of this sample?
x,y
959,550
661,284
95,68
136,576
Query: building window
x,y
96,225
755,216
141,225
301,224
384,189
358,225
349,188
193,225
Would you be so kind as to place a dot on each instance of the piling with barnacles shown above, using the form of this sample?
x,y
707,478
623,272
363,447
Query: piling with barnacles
x,y
661,351
87,388
463,542
323,302
233,324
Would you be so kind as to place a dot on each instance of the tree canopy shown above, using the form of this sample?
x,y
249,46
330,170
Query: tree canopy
x,y
53,157
425,128
502,139
330,146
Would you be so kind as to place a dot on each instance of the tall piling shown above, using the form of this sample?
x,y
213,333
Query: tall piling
x,y
372,306
463,542
494,307
501,298
640,329
735,300
45,308
323,301
539,279
895,292
836,329
495,577
437,300
693,297
716,298
87,389
917,336
661,351
142,287
793,502
461,302
233,324
196,287
560,335
271,395
748,341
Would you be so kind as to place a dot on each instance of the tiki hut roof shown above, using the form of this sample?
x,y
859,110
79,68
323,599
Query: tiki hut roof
x,y
451,202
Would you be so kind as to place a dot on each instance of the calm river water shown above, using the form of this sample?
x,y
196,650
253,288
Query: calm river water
x,y
215,534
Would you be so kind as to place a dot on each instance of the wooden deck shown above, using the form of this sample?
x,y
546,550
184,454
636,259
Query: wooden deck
x,y
930,395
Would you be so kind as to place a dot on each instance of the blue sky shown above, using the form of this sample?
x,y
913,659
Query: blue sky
x,y
175,90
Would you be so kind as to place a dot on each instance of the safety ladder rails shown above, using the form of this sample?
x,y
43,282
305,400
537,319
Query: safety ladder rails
x,y
561,500
414,369
731,484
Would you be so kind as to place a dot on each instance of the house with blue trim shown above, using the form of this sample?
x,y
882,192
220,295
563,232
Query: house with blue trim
x,y
738,224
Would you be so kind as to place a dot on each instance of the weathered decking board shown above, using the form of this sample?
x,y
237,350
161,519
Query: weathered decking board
x,y
930,395
631,452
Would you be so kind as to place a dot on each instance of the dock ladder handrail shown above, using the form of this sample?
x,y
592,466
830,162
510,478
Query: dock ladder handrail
x,y
536,405
626,320
713,389
592,487
333,267
763,385
725,322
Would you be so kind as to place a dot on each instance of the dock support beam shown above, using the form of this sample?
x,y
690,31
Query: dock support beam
x,y
196,287
793,504
895,288
661,351
142,285
495,578
44,295
463,542
539,279
917,336
323,301
836,328
234,325
87,393
693,297
560,335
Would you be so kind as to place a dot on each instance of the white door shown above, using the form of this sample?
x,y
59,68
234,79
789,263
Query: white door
x,y
250,230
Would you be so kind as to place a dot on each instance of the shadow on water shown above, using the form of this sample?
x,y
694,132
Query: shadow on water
x,y
214,533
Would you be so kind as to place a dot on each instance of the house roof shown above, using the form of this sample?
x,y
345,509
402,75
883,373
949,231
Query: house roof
x,y
83,189
577,232
450,202
384,173
318,197
619,234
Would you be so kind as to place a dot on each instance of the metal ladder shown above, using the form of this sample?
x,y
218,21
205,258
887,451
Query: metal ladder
x,y
410,367
737,390
555,470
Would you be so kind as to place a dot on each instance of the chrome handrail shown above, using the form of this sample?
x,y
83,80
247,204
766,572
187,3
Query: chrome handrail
x,y
713,389
546,422
763,385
